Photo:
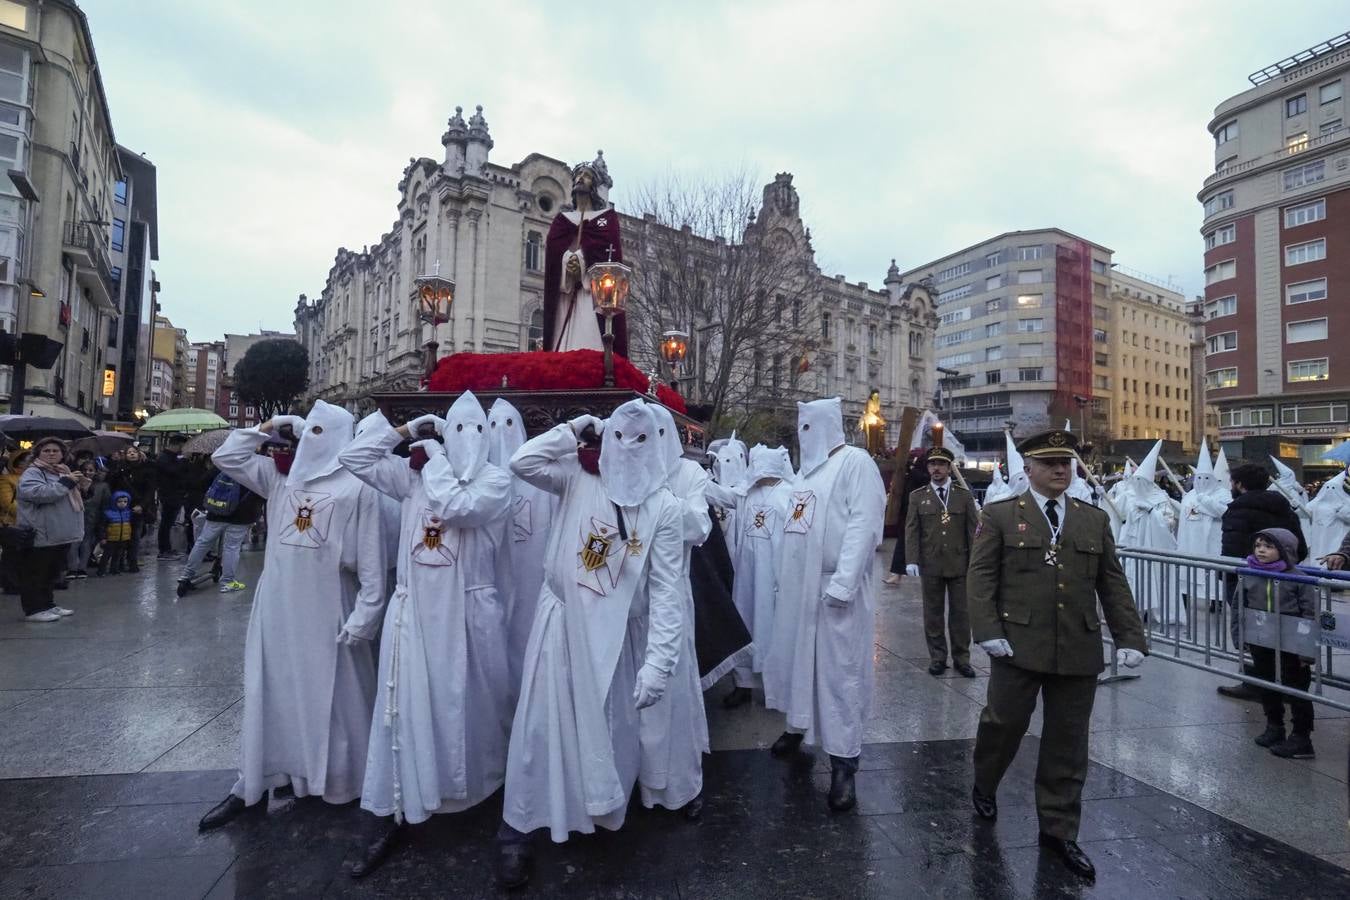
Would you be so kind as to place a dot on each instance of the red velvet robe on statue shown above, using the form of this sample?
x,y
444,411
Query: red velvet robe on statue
x,y
597,236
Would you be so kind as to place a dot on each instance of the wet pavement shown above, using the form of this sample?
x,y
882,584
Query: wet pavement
x,y
119,728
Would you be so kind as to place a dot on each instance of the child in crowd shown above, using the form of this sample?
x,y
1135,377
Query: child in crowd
x,y
117,536
1276,550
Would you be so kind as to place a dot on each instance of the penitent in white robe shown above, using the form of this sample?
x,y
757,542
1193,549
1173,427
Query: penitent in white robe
x,y
520,567
1329,512
819,668
603,611
439,732
1149,525
675,728
764,510
307,698
723,500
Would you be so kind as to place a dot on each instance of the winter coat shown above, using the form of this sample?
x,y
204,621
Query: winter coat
x,y
44,506
116,523
138,480
9,497
1254,511
175,477
99,497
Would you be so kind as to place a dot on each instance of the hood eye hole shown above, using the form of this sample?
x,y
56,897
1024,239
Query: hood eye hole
x,y
619,435
459,427
641,438
493,423
510,422
316,429
480,429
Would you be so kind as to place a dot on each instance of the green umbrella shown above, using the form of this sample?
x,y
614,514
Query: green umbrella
x,y
189,419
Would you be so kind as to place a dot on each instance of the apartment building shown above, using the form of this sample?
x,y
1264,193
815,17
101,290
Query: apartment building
x,y
1150,337
204,375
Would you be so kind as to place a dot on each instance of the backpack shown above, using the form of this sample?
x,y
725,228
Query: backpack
x,y
222,498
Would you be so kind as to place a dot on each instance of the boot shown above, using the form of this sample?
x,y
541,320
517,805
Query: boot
x,y
843,792
739,696
1273,735
1296,746
513,865
787,744
184,585
693,810
378,850
227,811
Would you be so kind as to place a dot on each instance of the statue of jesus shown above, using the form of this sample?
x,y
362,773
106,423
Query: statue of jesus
x,y
582,234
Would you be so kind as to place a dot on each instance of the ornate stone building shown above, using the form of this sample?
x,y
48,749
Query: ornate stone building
x,y
484,225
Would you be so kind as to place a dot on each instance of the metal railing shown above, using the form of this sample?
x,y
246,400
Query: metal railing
x,y
1197,613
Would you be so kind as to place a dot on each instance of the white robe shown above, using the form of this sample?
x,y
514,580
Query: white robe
x,y
819,667
1149,523
575,749
520,567
675,728
439,732
1330,521
764,512
307,698
1200,527
723,500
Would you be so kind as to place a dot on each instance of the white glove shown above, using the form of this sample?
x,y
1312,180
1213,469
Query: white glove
x,y
580,423
831,600
297,423
346,638
429,419
912,570
1129,658
997,647
430,446
650,687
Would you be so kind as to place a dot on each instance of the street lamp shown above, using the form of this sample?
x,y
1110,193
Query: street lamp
x,y
435,295
674,347
609,297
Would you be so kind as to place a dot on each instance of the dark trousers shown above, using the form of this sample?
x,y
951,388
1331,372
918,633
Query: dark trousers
x,y
41,568
898,554
168,514
116,557
946,615
1062,766
1294,673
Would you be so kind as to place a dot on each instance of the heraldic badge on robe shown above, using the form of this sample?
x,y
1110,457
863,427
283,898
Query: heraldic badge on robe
x,y
439,544
761,522
310,517
600,559
803,513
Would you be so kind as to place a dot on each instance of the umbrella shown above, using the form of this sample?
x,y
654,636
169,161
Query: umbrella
x,y
105,443
29,428
207,441
1340,453
188,419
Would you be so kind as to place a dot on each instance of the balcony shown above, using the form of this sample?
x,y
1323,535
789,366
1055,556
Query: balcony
x,y
93,269
1284,154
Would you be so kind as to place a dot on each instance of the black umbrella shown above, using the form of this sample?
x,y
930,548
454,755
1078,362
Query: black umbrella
x,y
30,428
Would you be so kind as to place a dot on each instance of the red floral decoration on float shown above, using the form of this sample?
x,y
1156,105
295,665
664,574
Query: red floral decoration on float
x,y
575,370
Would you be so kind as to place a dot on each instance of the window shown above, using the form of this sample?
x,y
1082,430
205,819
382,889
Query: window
x,y
1308,173
119,229
1026,254
1312,413
1218,203
993,306
916,344
956,359
993,282
955,293
1222,342
993,329
534,251
825,326
1221,271
120,192
1028,301
1296,143
993,353
1223,306
1306,291
1099,335
1225,163
1030,350
1221,378
1220,236
1329,126
953,338
1101,382
1296,106
1032,373
953,272
13,67
1101,266
534,337
1329,92
1308,370
1029,276
1028,326
993,376
994,259
871,339
1307,330
1304,213
1225,133
959,315
1297,254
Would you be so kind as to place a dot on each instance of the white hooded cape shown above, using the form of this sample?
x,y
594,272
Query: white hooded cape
x,y
1200,527
729,462
1330,513
1150,523
307,698
765,509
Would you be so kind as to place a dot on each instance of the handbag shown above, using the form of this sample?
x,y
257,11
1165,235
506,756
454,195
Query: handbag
x,y
12,537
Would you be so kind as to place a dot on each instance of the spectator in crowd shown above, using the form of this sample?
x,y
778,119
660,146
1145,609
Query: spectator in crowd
x,y
11,467
174,480
231,509
50,503
96,497
115,533
134,474
904,482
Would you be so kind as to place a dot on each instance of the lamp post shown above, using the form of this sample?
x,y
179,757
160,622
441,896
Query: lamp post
x,y
609,296
674,347
435,296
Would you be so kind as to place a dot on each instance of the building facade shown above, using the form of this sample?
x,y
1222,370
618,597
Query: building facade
x,y
204,375
483,225
1150,339
134,246
169,349
1276,233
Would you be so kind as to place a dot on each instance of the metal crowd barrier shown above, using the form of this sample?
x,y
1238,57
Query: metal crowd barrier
x,y
1196,614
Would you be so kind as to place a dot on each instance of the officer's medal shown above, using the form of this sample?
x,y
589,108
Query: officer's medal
x,y
634,546
946,518
1052,555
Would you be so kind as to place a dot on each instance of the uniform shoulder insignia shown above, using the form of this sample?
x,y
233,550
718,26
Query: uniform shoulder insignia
x,y
1002,500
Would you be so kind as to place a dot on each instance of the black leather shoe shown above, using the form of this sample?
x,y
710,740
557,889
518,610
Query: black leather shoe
x,y
227,811
1271,736
377,851
1240,691
285,792
184,586
1072,855
787,744
738,697
937,668
986,807
843,792
513,865
693,810
966,670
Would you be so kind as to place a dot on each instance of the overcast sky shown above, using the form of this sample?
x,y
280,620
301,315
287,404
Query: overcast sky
x,y
913,128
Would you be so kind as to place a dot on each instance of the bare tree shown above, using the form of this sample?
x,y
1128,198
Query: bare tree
x,y
711,260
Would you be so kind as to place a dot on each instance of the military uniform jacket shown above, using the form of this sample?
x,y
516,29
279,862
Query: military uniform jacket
x,y
1049,611
941,550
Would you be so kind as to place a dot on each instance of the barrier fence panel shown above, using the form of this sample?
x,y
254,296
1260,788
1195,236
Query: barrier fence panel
x,y
1218,615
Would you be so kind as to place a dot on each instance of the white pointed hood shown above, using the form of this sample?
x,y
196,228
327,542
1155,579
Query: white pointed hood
x,y
1148,469
997,490
669,436
1288,479
1221,474
768,462
328,430
506,432
465,436
632,457
1204,481
730,460
1018,480
820,429
370,422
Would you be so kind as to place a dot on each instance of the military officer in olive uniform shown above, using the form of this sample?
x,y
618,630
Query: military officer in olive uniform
x,y
939,530
1041,564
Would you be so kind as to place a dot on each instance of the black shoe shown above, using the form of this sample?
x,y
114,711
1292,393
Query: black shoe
x,y
937,668
377,851
1273,735
1243,691
986,807
843,792
1072,855
966,670
738,697
285,792
787,744
513,865
693,810
62,586
184,586
1296,746
227,811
